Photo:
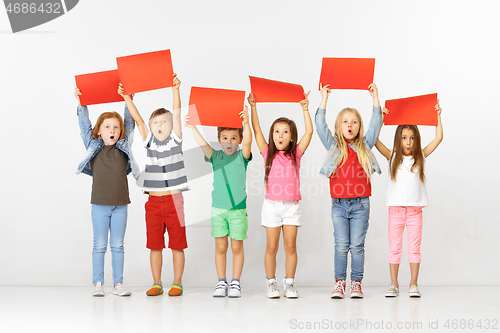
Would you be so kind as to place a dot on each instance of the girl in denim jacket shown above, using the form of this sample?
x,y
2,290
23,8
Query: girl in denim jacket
x,y
406,196
108,160
349,165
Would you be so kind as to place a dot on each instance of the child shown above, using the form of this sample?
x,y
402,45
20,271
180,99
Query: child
x,y
349,164
406,196
229,216
108,160
164,178
280,210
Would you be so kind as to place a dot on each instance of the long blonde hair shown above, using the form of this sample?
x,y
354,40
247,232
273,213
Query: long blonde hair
x,y
364,157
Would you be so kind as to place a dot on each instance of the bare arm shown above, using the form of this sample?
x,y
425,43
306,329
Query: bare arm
x,y
259,137
246,148
143,129
439,134
177,123
383,149
207,150
306,138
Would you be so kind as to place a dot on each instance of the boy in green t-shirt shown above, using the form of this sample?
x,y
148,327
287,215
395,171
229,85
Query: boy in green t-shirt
x,y
229,216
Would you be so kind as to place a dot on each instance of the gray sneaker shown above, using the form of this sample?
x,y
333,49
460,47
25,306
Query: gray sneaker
x,y
272,289
98,291
119,290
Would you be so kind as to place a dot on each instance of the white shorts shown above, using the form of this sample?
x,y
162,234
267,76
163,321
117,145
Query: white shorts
x,y
276,213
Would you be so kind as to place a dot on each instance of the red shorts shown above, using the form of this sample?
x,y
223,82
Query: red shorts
x,y
165,213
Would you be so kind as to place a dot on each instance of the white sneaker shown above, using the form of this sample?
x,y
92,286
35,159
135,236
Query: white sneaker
x,y
272,289
119,290
393,291
234,289
98,291
289,288
414,292
221,289
339,290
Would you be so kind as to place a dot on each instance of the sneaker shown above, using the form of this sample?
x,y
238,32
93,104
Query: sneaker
x,y
155,290
414,292
120,290
98,291
393,291
272,289
289,288
176,290
221,289
356,291
339,290
234,289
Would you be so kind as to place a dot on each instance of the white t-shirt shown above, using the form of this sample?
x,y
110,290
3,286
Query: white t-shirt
x,y
407,190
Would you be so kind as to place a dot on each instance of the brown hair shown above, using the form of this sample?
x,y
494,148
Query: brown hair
x,y
221,129
289,151
397,152
102,118
159,112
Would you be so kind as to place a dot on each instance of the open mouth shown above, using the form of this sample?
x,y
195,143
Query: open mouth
x,y
159,131
112,137
350,132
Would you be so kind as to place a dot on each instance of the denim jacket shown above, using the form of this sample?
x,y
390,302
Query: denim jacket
x,y
329,140
93,145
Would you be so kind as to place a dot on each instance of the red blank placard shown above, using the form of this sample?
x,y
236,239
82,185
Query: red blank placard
x,y
146,71
266,90
98,88
347,73
418,110
216,107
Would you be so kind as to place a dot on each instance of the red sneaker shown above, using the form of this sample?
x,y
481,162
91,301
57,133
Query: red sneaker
x,y
339,290
356,291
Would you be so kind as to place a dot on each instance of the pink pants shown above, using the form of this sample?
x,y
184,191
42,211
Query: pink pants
x,y
399,217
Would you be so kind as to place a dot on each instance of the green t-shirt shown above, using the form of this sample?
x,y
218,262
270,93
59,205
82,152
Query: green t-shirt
x,y
230,178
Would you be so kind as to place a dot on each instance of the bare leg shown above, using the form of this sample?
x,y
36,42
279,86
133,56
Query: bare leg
x,y
394,270
273,242
156,259
220,256
290,244
238,257
414,268
178,260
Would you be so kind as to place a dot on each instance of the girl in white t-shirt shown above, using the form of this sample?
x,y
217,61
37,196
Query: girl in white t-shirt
x,y
406,196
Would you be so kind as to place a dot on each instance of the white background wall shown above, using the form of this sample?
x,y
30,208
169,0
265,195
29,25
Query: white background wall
x,y
448,47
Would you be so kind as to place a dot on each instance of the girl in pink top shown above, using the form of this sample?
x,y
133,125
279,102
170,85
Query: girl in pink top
x,y
280,210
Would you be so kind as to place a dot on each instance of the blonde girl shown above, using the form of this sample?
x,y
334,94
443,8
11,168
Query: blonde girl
x,y
348,165
406,196
280,210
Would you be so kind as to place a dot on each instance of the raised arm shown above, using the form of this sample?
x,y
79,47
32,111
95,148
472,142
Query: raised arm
x,y
143,129
246,147
386,152
383,149
83,121
373,131
207,150
439,134
324,132
306,138
177,123
259,137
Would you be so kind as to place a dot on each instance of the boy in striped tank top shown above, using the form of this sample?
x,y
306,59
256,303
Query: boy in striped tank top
x,y
163,179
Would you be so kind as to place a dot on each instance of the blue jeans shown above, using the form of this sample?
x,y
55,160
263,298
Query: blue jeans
x,y
350,224
114,220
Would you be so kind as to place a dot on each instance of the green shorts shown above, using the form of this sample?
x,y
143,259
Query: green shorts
x,y
229,222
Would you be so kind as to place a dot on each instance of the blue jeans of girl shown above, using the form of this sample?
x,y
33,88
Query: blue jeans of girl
x,y
112,219
350,224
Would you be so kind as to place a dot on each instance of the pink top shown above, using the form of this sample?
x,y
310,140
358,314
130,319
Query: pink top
x,y
283,182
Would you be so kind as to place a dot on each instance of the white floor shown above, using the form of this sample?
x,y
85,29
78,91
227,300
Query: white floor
x,y
73,309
